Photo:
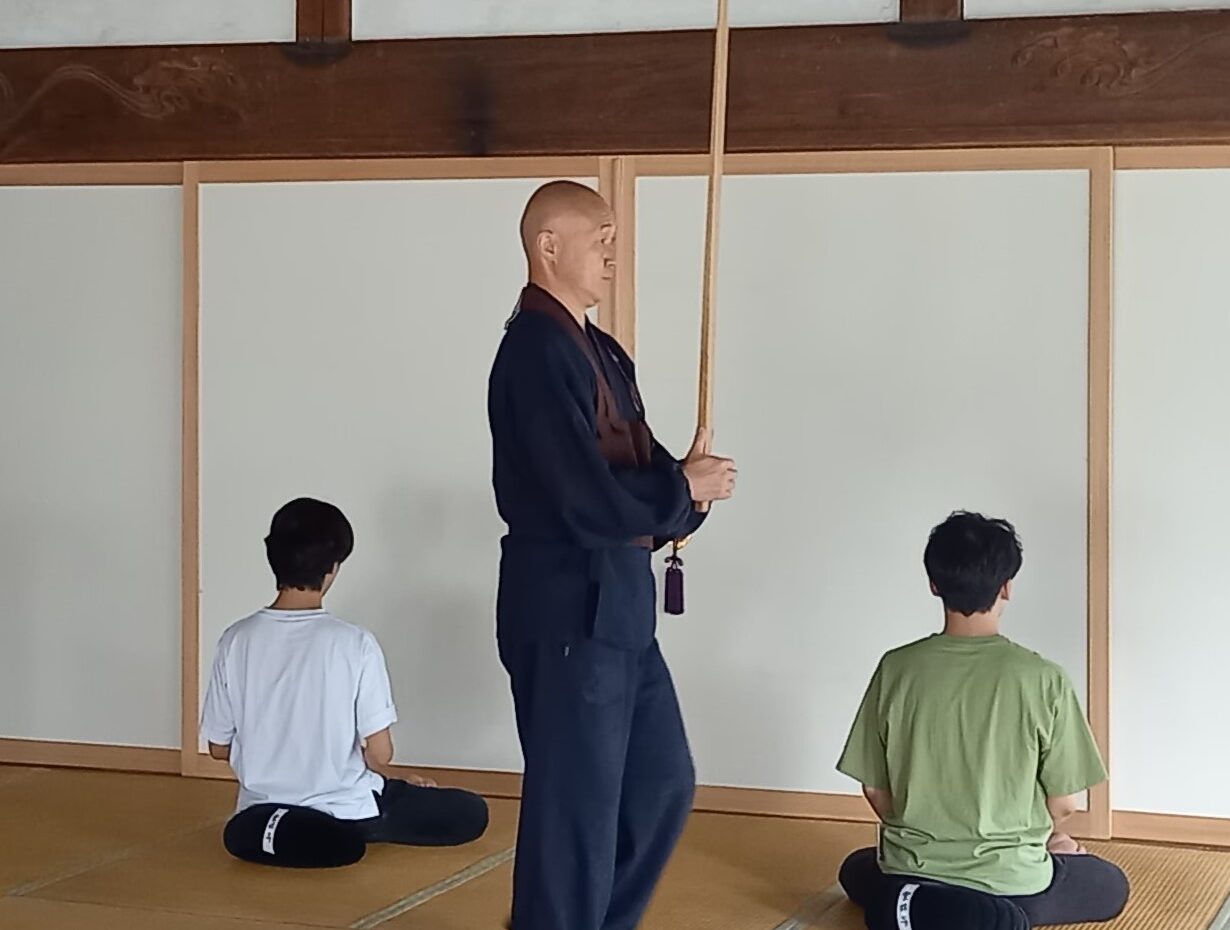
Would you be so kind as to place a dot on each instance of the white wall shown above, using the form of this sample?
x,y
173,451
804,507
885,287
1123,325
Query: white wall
x,y
89,482
29,23
379,19
843,303
890,348
1171,497
25,23
988,9
365,385
347,332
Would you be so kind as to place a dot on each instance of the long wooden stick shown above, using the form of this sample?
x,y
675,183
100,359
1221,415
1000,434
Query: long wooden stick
x,y
717,153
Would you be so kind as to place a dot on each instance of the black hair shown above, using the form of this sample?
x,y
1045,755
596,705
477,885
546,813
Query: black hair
x,y
306,539
969,559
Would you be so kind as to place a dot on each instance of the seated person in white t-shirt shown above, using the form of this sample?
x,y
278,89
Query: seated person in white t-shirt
x,y
299,703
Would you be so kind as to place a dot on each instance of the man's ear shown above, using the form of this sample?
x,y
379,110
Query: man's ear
x,y
548,245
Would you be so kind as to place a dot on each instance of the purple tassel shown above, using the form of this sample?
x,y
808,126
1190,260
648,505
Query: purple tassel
x,y
674,585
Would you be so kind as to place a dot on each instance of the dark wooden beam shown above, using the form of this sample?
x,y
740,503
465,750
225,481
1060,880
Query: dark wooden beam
x,y
335,22
1153,78
309,18
322,21
928,11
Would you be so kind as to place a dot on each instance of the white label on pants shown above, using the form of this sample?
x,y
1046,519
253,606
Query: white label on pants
x,y
903,907
271,828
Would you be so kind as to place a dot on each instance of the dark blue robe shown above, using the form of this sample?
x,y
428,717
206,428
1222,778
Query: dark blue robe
x,y
608,774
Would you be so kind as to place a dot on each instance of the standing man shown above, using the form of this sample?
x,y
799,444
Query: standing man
x,y
587,494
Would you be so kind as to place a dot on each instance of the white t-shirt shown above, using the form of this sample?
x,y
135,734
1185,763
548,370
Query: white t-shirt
x,y
293,692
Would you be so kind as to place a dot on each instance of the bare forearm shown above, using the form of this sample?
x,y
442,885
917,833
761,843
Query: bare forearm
x,y
1061,809
378,763
220,752
378,753
881,802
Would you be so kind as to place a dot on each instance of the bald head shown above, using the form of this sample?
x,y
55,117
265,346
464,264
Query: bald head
x,y
558,204
568,233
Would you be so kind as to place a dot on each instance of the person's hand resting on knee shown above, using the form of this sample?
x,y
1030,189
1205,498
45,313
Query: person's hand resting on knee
x,y
378,754
1060,844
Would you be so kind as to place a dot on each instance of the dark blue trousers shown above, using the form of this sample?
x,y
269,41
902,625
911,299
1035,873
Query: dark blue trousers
x,y
608,782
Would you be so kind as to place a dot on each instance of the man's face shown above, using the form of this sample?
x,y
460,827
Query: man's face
x,y
585,253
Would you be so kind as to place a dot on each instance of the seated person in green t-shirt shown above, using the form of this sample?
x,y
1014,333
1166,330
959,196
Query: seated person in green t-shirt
x,y
973,751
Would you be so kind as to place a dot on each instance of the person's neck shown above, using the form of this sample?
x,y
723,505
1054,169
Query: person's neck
x,y
571,300
973,626
296,599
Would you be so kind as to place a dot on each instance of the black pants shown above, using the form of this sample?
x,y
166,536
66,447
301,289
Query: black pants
x,y
299,837
1085,889
414,816
608,782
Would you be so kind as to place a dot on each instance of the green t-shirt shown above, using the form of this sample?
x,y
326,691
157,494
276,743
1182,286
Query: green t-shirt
x,y
971,735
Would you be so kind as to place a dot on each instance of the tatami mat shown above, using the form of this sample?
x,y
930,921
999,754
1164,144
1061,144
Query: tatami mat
x,y
101,850
62,821
194,874
1172,889
34,914
729,873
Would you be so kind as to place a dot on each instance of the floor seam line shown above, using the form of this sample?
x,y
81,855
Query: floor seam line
x,y
814,908
423,895
238,920
27,888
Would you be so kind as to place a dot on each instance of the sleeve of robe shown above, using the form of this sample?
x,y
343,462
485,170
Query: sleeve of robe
x,y
665,468
552,404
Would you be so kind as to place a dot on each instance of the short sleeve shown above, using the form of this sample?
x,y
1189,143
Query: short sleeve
x,y
1069,761
864,758
217,717
374,709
